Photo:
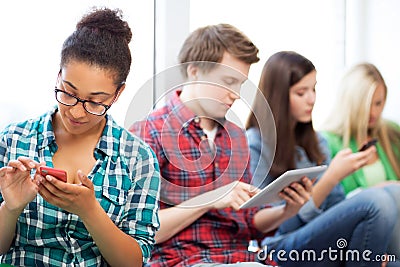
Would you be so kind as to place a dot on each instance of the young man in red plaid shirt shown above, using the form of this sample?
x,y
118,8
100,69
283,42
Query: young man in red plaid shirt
x,y
204,159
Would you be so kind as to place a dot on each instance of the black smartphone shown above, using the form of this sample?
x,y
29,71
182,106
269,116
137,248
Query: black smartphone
x,y
370,143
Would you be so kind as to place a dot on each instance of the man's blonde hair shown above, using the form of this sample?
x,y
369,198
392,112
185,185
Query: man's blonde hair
x,y
208,44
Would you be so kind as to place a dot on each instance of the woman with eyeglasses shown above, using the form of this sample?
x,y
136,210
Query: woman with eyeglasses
x,y
106,211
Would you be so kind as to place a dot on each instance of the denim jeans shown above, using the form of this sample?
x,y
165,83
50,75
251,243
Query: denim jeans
x,y
394,243
347,229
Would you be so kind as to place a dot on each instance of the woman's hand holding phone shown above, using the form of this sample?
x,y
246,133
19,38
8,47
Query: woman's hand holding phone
x,y
346,162
77,198
367,145
57,173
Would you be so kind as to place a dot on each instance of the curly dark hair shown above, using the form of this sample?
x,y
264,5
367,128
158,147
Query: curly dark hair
x,y
101,38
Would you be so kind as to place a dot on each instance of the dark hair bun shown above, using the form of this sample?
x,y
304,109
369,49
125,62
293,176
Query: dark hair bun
x,y
106,20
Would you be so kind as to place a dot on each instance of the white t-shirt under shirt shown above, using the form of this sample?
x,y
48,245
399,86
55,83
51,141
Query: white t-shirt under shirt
x,y
374,174
211,136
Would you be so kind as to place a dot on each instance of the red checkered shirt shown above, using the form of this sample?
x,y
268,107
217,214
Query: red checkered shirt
x,y
190,167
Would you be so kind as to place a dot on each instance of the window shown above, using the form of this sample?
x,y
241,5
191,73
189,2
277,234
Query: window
x,y
32,37
333,34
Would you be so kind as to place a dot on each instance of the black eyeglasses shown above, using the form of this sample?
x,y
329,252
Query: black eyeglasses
x,y
91,107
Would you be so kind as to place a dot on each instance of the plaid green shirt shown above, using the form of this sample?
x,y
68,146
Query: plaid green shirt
x,y
126,183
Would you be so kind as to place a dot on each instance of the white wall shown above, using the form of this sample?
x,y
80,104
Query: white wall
x,y
32,33
332,34
383,48
371,27
321,30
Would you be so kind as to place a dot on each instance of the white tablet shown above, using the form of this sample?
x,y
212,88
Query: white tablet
x,y
270,193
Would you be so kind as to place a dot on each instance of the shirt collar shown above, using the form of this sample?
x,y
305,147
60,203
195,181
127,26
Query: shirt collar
x,y
183,114
108,144
180,111
45,129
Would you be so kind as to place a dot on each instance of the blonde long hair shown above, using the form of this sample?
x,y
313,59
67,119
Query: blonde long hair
x,y
350,116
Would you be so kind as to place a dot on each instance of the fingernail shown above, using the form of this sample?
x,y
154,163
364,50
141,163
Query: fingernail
x,y
31,164
23,168
48,178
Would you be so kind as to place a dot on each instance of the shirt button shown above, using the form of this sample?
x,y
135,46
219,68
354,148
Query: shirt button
x,y
203,137
216,164
196,119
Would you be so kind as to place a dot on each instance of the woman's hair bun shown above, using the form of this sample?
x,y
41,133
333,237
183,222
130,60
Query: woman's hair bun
x,y
105,19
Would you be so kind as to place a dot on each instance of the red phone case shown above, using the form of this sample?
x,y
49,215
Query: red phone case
x,y
59,174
